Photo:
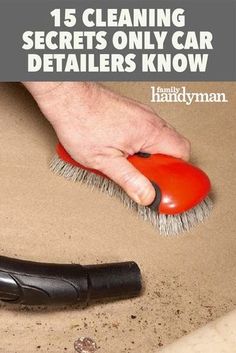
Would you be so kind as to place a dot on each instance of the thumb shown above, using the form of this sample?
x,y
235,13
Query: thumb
x,y
135,184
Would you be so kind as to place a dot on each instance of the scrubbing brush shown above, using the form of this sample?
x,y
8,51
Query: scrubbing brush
x,y
182,189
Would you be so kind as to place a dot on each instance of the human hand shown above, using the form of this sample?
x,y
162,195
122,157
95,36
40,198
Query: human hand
x,y
100,129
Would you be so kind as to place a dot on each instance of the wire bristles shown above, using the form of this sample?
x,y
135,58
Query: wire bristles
x,y
166,224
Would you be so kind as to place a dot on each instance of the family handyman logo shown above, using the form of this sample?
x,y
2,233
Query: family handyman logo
x,y
181,95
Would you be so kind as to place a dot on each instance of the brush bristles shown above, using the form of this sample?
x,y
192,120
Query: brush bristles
x,y
166,224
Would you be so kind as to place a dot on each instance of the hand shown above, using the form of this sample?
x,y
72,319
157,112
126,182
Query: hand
x,y
100,129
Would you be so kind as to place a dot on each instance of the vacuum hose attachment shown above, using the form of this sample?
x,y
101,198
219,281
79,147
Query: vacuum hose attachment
x,y
32,283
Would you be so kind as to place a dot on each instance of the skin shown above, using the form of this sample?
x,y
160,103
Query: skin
x,y
99,129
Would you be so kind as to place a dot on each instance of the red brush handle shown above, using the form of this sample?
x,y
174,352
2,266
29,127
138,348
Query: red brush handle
x,y
183,186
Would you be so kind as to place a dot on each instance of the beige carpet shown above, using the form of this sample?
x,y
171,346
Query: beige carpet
x,y
189,280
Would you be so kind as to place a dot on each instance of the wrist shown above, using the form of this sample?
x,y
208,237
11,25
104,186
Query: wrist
x,y
38,89
50,96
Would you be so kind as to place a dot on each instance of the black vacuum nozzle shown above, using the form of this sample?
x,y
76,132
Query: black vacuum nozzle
x,y
114,280
30,283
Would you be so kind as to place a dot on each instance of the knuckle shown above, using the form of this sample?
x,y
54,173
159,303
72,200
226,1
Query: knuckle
x,y
91,160
186,149
152,124
97,161
187,145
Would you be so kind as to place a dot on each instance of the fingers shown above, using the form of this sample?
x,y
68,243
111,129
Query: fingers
x,y
166,140
136,185
161,137
170,142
